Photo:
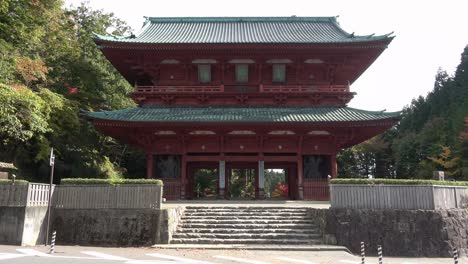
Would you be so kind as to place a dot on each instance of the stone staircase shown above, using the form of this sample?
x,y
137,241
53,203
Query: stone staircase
x,y
246,225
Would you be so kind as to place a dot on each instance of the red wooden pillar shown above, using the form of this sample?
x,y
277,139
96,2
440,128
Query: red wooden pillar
x,y
300,178
149,165
334,166
183,177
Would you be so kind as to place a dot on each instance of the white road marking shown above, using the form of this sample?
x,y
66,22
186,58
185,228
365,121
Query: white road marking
x,y
150,262
32,252
173,258
408,263
242,260
11,256
353,262
295,260
104,256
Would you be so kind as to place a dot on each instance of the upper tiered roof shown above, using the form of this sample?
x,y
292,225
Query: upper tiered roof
x,y
245,30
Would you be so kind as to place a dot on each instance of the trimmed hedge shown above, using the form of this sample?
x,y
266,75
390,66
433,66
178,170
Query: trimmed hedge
x,y
397,182
84,181
5,181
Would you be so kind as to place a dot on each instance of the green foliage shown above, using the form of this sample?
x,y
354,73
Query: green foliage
x,y
5,182
413,148
44,51
23,114
92,181
206,181
398,182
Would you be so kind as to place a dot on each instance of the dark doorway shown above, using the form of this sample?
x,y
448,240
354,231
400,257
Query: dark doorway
x,y
203,180
316,167
242,183
276,184
206,183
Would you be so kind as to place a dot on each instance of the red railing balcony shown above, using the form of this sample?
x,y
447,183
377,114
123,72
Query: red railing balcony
x,y
180,89
272,88
262,88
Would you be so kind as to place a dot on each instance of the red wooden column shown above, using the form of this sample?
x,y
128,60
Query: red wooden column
x,y
183,177
300,178
149,165
334,166
300,171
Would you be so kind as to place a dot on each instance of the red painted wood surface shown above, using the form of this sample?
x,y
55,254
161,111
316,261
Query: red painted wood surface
x,y
317,190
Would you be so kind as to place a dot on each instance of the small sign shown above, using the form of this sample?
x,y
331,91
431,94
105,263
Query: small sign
x,y
52,157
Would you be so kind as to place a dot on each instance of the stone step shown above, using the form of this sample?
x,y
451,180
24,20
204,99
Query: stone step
x,y
246,221
246,241
246,208
256,217
204,213
248,226
243,211
265,235
249,230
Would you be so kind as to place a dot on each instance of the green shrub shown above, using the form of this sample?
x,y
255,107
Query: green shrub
x,y
5,181
82,181
397,182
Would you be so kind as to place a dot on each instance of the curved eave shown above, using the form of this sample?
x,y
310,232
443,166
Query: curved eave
x,y
247,116
126,41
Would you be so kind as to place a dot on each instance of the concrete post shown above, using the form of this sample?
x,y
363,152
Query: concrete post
x,y
222,178
261,179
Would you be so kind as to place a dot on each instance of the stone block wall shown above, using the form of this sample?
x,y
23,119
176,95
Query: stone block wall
x,y
429,233
107,227
170,218
11,225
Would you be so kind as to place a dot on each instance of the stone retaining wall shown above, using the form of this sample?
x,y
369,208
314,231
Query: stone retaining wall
x,y
107,227
170,218
415,233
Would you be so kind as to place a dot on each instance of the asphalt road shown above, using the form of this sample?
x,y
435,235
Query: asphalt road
x,y
85,255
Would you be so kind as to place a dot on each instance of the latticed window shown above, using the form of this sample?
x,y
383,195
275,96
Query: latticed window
x,y
242,73
204,73
279,73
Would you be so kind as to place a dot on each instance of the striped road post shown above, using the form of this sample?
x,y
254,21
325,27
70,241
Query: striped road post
x,y
52,243
455,256
363,253
379,251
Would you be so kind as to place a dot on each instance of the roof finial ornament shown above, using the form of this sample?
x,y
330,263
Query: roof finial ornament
x,y
351,35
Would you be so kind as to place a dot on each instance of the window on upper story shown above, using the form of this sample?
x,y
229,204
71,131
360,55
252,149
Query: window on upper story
x,y
204,73
279,73
242,73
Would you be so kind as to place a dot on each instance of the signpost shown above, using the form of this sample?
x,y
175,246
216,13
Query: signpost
x,y
51,163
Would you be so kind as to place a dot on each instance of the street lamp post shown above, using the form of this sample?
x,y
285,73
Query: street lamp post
x,y
51,163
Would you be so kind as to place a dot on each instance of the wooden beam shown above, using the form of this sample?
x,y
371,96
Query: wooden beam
x,y
256,158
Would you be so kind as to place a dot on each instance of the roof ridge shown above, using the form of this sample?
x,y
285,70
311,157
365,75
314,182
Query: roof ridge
x,y
240,19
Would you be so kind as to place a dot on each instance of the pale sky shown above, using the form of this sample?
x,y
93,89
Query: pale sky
x,y
429,34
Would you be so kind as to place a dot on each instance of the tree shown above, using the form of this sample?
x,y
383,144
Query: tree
x,y
447,161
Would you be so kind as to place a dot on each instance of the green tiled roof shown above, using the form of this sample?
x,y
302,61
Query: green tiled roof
x,y
176,30
241,114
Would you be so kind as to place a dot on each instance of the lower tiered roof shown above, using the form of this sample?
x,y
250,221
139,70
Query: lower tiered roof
x,y
166,114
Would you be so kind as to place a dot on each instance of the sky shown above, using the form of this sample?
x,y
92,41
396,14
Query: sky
x,y
429,35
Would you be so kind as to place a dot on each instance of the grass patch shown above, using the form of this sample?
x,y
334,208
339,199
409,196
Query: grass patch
x,y
90,181
397,182
6,181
